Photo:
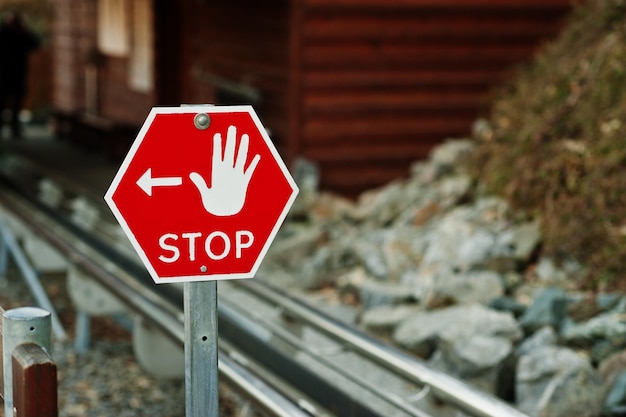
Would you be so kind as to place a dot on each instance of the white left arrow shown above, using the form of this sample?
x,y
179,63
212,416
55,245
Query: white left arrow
x,y
146,182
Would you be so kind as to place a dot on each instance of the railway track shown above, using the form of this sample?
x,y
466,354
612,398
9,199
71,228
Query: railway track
x,y
284,356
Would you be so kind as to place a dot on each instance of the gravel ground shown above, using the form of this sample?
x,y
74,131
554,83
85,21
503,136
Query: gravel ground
x,y
107,380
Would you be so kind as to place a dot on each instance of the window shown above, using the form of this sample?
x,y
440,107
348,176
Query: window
x,y
125,30
113,36
141,58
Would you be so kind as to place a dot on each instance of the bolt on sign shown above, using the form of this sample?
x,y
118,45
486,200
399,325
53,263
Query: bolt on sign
x,y
201,193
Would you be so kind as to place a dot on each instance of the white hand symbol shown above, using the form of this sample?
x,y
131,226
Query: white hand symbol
x,y
229,179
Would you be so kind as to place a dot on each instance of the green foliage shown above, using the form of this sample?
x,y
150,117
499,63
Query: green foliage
x,y
36,13
556,147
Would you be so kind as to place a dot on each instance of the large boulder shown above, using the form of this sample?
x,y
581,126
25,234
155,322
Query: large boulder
x,y
555,381
421,332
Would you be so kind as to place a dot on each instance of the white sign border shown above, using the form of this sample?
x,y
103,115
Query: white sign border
x,y
108,197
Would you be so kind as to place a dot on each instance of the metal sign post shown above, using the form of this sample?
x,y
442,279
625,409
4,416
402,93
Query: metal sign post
x,y
201,376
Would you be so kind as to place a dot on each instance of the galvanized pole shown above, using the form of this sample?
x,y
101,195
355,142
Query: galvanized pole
x,y
200,304
19,326
201,381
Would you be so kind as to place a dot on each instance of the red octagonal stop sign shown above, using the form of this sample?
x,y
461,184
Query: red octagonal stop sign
x,y
201,193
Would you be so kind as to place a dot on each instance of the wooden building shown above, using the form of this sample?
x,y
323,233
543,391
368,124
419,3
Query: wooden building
x,y
360,87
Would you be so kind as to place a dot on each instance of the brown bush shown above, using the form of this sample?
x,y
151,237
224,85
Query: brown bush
x,y
556,146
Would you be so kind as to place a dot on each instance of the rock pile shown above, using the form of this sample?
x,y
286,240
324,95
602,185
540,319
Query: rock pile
x,y
458,279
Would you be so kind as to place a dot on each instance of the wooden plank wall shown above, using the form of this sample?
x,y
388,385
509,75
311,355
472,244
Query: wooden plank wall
x,y
379,83
116,100
74,46
73,35
39,82
242,43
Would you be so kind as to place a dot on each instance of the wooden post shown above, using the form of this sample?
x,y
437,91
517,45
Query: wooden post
x,y
34,382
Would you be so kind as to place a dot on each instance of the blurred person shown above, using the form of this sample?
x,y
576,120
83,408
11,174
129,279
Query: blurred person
x,y
16,43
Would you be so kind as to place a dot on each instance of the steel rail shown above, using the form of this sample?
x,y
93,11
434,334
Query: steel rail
x,y
258,342
294,341
444,387
299,376
137,278
167,319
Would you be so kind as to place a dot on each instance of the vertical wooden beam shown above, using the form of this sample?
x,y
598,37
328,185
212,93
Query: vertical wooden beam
x,y
171,88
34,382
294,135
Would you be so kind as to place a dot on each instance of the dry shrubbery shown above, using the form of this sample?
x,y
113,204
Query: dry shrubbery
x,y
556,146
